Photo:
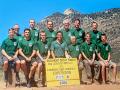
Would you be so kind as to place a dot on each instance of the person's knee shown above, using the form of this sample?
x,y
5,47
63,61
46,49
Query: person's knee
x,y
102,65
40,65
18,62
81,66
114,66
23,62
5,63
34,64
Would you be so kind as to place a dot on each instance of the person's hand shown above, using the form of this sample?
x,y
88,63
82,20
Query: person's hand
x,y
106,62
78,62
89,61
41,58
92,61
27,59
68,56
15,56
10,58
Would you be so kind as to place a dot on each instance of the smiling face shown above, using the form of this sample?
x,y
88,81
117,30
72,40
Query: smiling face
x,y
27,33
77,24
50,25
104,38
94,26
87,37
66,24
43,36
59,36
32,23
16,28
11,33
73,39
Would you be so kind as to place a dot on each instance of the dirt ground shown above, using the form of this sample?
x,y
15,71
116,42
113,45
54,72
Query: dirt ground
x,y
75,87
80,87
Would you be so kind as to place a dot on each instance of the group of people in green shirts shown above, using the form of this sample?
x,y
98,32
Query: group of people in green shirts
x,y
29,51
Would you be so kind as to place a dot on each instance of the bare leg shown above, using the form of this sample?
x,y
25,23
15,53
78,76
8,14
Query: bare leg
x,y
5,67
39,70
24,68
114,72
103,70
32,69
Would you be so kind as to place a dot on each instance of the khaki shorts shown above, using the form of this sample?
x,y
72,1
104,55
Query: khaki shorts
x,y
6,59
32,61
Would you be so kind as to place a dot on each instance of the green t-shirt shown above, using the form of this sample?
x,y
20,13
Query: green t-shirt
x,y
66,35
74,50
88,49
43,47
80,35
59,48
95,37
34,34
104,50
50,35
10,46
27,46
18,37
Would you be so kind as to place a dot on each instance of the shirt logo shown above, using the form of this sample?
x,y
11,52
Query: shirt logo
x,y
77,48
69,34
98,36
15,43
53,35
91,49
80,34
36,33
20,39
106,48
46,46
30,44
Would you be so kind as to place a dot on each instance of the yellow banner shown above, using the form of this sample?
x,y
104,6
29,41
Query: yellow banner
x,y
62,71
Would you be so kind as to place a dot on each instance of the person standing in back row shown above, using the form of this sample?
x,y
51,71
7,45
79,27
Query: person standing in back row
x,y
16,29
96,39
34,32
67,32
50,33
95,34
79,33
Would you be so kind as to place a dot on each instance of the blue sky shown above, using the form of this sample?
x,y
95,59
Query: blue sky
x,y
20,11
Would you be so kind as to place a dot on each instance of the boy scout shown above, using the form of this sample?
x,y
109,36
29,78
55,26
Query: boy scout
x,y
104,54
10,52
88,53
50,33
34,33
79,33
67,32
43,53
27,52
58,47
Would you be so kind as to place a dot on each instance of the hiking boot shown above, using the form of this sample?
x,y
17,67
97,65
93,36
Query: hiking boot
x,y
29,84
17,79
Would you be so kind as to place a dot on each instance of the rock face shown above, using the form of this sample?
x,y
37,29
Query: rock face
x,y
108,21
70,11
